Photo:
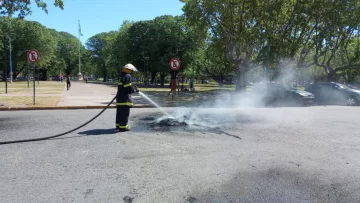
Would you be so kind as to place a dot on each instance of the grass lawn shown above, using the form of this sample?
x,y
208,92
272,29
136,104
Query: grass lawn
x,y
47,93
22,88
198,88
41,101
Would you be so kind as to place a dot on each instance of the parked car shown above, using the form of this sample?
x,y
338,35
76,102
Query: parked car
x,y
21,78
278,94
92,78
354,85
334,93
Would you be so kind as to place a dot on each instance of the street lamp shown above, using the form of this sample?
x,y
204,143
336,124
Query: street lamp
x,y
193,72
11,73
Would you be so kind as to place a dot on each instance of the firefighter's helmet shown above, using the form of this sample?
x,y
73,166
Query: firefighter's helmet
x,y
130,67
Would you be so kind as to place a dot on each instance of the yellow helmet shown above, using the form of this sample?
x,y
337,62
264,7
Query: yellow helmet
x,y
131,67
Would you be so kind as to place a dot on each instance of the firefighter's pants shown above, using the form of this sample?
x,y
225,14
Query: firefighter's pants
x,y
122,116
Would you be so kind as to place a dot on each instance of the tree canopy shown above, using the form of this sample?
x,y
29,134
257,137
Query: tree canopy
x,y
222,40
23,7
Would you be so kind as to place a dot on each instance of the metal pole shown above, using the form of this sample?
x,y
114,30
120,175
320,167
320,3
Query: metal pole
x,y
173,90
28,74
5,78
11,74
193,73
34,82
79,53
38,76
5,64
268,61
79,57
146,75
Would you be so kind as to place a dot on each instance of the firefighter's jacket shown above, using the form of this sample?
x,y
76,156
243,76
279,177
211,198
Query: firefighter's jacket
x,y
125,89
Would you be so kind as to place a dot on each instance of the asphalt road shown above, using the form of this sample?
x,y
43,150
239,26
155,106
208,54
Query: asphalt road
x,y
306,154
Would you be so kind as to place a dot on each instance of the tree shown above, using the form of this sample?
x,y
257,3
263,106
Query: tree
x,y
216,64
160,39
100,47
119,48
336,26
26,35
68,52
235,25
23,7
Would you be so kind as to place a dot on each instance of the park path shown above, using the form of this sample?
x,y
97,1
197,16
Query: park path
x,y
89,94
92,94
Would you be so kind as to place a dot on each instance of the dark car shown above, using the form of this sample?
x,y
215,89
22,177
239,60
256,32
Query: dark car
x,y
334,93
277,94
354,85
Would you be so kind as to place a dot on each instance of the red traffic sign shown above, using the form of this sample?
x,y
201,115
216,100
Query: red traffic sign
x,y
175,64
33,55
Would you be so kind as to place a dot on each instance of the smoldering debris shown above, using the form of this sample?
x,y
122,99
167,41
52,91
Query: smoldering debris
x,y
170,121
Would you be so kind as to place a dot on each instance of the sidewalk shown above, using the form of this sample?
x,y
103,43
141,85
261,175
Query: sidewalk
x,y
80,96
91,95
96,96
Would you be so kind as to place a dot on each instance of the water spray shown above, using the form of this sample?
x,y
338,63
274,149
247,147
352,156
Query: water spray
x,y
154,103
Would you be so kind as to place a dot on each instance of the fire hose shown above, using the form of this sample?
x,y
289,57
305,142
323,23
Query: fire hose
x,y
59,135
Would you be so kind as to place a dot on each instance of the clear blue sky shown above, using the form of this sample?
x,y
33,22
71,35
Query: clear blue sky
x,y
101,15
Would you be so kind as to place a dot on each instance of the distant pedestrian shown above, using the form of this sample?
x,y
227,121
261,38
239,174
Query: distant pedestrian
x,y
68,83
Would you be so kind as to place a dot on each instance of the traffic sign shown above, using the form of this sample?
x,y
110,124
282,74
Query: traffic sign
x,y
175,64
33,55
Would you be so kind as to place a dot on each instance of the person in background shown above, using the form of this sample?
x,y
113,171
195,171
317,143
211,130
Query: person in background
x,y
68,83
123,97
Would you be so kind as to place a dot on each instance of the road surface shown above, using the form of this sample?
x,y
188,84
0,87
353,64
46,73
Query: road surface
x,y
306,154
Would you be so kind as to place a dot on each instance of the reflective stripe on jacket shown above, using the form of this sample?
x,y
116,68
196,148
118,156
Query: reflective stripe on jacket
x,y
125,89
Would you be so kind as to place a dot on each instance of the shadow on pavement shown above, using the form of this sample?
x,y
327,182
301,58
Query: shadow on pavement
x,y
94,132
100,132
279,185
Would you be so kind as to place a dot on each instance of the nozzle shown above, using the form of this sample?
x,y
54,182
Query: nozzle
x,y
136,89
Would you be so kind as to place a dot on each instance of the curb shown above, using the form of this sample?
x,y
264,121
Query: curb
x,y
65,108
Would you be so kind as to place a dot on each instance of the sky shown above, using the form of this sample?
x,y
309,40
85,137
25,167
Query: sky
x,y
98,16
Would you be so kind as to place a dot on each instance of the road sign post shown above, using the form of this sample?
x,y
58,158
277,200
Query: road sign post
x,y
33,57
34,82
174,66
28,74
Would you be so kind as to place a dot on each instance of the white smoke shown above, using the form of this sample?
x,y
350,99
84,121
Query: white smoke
x,y
192,116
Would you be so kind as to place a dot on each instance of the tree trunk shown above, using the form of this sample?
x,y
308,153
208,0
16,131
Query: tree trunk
x,y
330,77
18,72
3,71
14,66
68,67
104,71
221,81
241,82
153,76
162,79
43,74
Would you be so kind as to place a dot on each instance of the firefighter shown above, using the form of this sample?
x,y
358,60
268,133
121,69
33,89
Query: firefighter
x,y
123,97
